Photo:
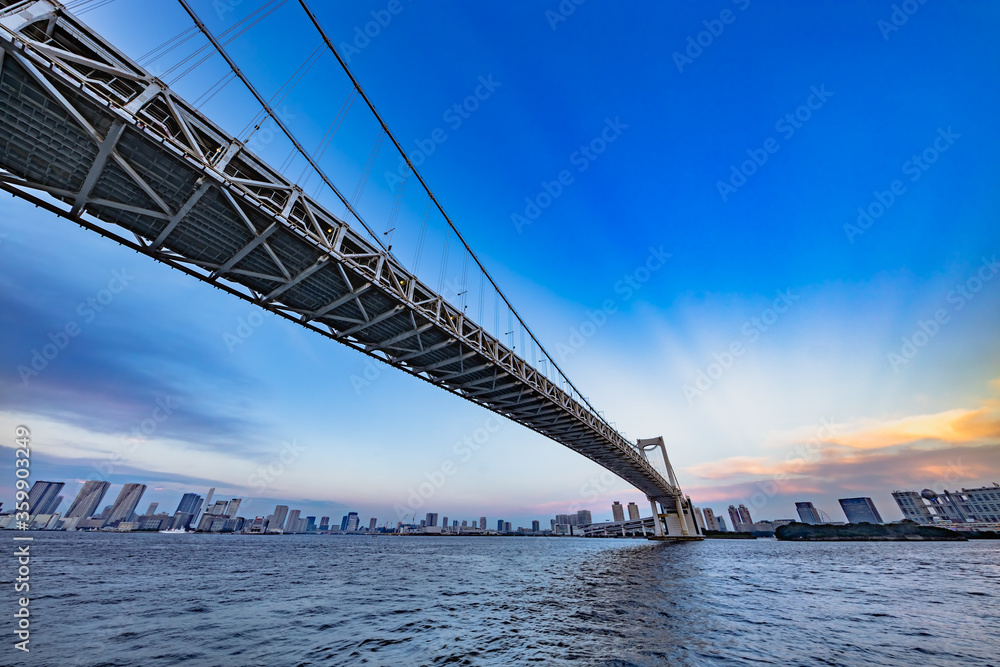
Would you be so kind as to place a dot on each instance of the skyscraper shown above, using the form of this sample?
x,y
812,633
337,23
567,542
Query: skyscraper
x,y
292,524
617,511
710,522
482,523
190,504
432,519
310,524
372,525
151,510
745,517
125,504
734,516
42,497
536,527
499,525
234,507
277,522
324,523
583,518
808,513
88,499
633,511
860,510
352,521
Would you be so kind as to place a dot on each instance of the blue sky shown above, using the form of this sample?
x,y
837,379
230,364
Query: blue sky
x,y
869,101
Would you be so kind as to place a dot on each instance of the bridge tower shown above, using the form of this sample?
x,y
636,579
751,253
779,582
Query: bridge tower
x,y
675,518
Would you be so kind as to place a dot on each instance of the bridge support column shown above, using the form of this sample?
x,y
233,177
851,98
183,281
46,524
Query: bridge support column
x,y
657,529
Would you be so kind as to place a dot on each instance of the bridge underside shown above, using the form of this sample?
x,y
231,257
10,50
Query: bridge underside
x,y
85,125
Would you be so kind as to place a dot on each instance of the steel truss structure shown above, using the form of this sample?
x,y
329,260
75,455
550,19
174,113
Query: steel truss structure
x,y
83,123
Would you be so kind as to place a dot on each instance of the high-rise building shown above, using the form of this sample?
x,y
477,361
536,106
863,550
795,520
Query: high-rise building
x,y
808,513
506,526
54,505
583,518
292,525
710,522
981,504
343,523
536,527
860,510
324,524
454,523
373,524
310,524
190,504
125,504
617,511
722,524
432,519
208,500
43,497
444,523
352,521
633,512
745,516
234,507
151,510
277,522
499,525
88,499
734,516
482,523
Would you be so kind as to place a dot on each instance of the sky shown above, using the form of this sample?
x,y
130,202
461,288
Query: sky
x,y
765,232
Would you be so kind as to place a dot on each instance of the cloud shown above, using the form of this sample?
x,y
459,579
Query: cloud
x,y
951,426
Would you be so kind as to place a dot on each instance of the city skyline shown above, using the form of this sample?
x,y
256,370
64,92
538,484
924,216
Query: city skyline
x,y
169,376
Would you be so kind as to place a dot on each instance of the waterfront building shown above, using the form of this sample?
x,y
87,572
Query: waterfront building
x,y
324,524
633,511
88,499
125,504
190,504
432,519
372,524
499,525
860,510
583,518
482,523
152,509
617,511
808,513
277,522
44,498
536,527
745,515
181,520
310,524
506,526
981,504
234,507
734,516
710,521
454,523
291,526
699,519
352,521
722,524
444,523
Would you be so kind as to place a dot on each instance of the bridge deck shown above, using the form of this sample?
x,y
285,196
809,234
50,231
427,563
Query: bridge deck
x,y
83,123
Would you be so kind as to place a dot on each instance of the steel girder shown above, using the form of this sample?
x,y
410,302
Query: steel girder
x,y
87,126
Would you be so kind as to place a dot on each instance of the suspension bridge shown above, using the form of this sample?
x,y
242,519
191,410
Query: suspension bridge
x,y
89,134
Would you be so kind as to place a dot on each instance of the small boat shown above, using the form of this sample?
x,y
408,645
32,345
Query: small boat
x,y
173,531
